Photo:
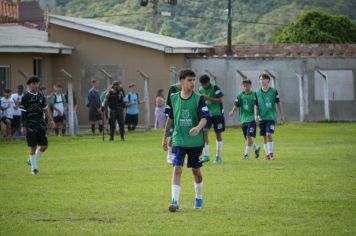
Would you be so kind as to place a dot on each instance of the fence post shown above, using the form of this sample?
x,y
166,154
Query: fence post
x,y
301,97
173,73
145,77
326,95
70,101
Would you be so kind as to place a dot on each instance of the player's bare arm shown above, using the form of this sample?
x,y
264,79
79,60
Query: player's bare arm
x,y
169,125
195,130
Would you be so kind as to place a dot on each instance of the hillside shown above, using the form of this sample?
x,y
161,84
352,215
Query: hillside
x,y
254,21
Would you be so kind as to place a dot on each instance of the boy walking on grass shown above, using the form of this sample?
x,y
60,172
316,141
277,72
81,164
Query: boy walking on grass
x,y
188,115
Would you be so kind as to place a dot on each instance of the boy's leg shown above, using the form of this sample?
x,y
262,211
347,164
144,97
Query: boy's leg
x,y
270,131
33,160
176,178
206,145
195,164
219,145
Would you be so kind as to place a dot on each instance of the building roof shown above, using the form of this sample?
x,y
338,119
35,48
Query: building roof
x,y
19,39
132,36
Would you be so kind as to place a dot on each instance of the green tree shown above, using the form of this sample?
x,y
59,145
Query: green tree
x,y
318,27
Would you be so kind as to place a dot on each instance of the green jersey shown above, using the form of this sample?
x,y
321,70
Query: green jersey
x,y
246,104
215,109
172,89
266,102
186,114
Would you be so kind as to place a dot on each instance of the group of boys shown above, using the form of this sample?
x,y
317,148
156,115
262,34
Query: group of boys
x,y
191,115
115,103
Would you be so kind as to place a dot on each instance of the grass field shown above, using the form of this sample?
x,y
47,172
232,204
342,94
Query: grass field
x,y
90,187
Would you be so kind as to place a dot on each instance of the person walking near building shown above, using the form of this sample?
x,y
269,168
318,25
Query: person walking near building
x,y
160,118
245,102
59,104
17,113
114,100
188,115
7,107
132,101
94,105
213,97
265,113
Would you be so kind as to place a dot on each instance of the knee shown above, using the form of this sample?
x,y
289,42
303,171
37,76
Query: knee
x,y
43,148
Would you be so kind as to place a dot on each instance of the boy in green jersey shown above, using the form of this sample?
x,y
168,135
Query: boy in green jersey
x,y
246,101
265,113
212,95
187,114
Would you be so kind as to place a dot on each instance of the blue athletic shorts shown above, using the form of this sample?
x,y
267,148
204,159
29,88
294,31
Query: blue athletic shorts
x,y
267,126
193,154
249,129
217,121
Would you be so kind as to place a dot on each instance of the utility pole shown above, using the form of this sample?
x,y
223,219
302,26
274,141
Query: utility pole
x,y
229,26
155,16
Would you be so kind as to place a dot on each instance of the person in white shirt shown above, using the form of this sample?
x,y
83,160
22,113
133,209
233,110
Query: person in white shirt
x,y
16,121
58,103
7,107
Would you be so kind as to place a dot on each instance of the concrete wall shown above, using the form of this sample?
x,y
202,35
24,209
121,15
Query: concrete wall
x,y
286,82
119,58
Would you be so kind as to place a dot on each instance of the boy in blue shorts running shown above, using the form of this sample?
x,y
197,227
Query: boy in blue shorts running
x,y
188,115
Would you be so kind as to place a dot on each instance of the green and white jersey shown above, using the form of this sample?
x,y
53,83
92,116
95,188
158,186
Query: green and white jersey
x,y
215,109
266,102
246,104
172,89
186,114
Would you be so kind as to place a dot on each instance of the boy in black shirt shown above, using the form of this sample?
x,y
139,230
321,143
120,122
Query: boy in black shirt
x,y
33,104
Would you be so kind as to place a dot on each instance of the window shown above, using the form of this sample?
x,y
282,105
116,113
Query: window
x,y
341,85
4,78
37,67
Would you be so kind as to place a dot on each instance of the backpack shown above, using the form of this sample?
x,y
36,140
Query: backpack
x,y
55,99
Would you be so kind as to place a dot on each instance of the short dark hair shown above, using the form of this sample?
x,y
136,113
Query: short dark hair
x,y
20,86
265,76
185,73
33,79
204,79
246,81
7,90
58,85
94,80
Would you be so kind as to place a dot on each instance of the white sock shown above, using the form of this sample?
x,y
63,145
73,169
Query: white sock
x,y
219,145
198,190
175,192
33,161
169,153
38,154
270,147
266,148
247,150
255,146
206,149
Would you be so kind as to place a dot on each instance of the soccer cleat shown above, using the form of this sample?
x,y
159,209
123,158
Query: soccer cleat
x,y
257,152
271,157
173,207
198,203
205,159
267,158
28,162
217,160
35,171
245,157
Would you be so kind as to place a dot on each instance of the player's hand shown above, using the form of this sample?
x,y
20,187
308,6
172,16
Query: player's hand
x,y
24,131
165,144
283,120
231,113
194,131
102,109
256,119
205,97
52,123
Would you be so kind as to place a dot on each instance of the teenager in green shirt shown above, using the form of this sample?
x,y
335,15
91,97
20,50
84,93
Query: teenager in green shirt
x,y
212,95
245,102
187,114
265,113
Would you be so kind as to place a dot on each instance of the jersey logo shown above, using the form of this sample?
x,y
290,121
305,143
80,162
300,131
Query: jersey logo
x,y
185,114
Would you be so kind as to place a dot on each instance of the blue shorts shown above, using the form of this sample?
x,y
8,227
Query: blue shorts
x,y
217,121
267,126
193,156
249,129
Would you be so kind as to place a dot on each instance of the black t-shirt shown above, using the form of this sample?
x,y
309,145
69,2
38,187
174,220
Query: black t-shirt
x,y
32,107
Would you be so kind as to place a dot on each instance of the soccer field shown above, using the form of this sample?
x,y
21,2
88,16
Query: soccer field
x,y
90,187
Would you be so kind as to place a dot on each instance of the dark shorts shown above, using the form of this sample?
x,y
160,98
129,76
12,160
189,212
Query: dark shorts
x,y
36,137
193,156
4,118
59,119
16,122
94,115
249,129
267,126
131,119
218,122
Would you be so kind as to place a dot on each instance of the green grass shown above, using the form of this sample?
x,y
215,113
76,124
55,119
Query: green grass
x,y
90,187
